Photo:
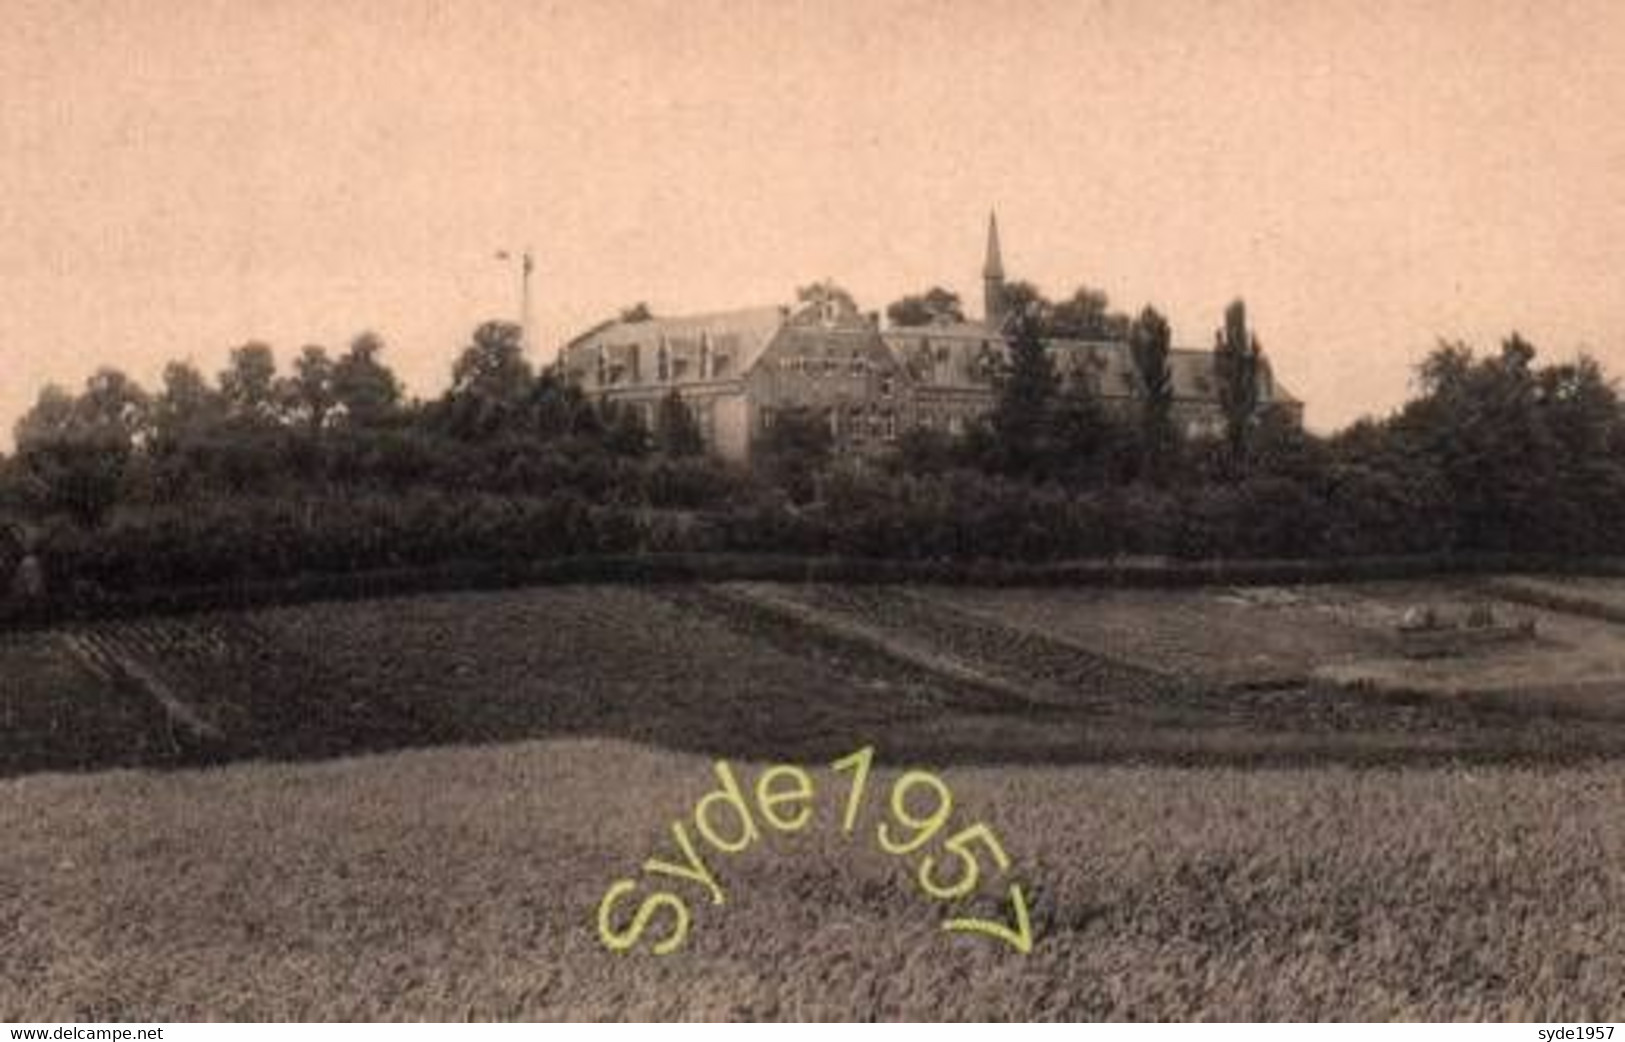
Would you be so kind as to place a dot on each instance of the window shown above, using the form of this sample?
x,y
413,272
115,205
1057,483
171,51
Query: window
x,y
888,425
662,363
886,386
705,357
765,416
679,368
719,366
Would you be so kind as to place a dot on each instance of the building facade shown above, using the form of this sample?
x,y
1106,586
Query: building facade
x,y
738,370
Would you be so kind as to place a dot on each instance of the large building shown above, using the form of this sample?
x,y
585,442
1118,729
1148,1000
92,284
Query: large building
x,y
738,370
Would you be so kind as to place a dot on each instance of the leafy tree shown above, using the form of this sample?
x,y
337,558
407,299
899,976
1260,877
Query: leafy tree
x,y
1078,432
826,290
491,383
1026,390
54,411
1024,303
76,450
923,309
794,449
1516,447
1149,341
558,408
625,432
186,405
113,401
1087,315
248,383
365,389
307,395
1236,365
677,433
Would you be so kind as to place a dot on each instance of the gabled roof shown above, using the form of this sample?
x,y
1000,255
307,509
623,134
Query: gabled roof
x,y
1190,371
752,329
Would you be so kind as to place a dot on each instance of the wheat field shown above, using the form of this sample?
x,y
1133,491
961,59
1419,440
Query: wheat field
x,y
463,883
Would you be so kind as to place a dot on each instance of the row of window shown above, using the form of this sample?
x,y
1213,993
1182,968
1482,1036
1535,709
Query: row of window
x,y
668,369
829,365
808,365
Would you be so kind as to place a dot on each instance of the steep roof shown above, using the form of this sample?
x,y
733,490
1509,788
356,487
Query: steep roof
x,y
749,329
1190,369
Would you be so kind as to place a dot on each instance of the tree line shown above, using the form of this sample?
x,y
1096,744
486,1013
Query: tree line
x,y
327,465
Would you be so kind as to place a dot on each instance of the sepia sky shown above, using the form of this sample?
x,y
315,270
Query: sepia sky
x,y
179,176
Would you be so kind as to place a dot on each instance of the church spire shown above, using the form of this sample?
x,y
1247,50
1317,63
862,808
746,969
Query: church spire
x,y
994,268
993,276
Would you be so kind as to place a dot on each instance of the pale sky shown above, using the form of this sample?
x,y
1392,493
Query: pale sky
x,y
180,176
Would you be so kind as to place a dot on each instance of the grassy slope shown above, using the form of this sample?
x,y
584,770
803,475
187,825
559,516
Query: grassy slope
x,y
462,882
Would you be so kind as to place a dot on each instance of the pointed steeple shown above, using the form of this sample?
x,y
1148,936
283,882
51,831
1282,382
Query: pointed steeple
x,y
994,268
993,277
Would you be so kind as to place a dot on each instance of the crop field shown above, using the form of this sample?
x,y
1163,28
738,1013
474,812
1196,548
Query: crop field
x,y
762,669
461,883
1206,823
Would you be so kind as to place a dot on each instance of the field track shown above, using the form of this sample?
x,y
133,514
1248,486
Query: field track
x,y
767,669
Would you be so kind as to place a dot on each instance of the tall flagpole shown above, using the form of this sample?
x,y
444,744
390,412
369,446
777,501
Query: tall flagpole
x,y
526,265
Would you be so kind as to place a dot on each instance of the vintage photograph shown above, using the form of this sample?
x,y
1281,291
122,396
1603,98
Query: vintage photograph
x,y
761,510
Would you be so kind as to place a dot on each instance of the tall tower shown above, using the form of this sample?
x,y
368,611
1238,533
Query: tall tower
x,y
993,277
